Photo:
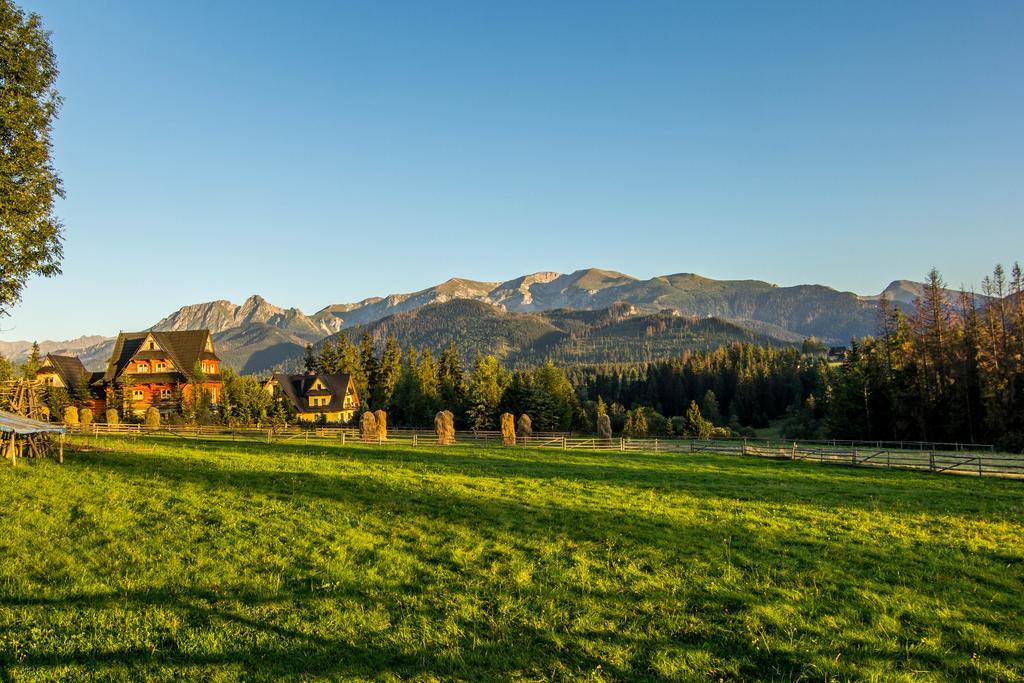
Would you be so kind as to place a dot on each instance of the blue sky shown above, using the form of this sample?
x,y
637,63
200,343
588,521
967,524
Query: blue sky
x,y
323,152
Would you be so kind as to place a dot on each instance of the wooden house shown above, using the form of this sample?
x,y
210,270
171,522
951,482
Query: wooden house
x,y
68,373
317,397
153,368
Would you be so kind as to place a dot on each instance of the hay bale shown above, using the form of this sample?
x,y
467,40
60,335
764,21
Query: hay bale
x,y
604,426
368,427
444,425
508,429
71,415
382,424
112,417
85,417
152,418
524,426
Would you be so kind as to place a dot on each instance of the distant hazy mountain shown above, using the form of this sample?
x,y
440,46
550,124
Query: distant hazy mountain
x,y
255,335
222,315
619,333
804,309
18,351
906,292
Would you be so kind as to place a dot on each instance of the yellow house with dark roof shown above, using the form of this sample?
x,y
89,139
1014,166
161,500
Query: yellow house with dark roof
x,y
320,396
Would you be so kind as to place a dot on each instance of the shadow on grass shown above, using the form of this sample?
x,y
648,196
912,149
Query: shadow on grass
x,y
267,644
480,653
700,475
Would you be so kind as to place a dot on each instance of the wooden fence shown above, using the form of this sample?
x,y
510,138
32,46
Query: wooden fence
x,y
978,463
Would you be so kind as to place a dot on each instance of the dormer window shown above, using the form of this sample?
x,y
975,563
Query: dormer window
x,y
159,366
152,345
142,367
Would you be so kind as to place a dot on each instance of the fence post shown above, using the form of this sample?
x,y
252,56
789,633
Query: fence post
x,y
853,456
622,443
269,432
414,440
563,443
931,460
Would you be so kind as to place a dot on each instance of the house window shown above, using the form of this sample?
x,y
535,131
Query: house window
x,y
165,394
159,366
152,346
137,394
142,367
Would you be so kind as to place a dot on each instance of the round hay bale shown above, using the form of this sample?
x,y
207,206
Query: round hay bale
x,y
444,425
85,417
152,418
71,415
382,424
508,429
368,427
112,417
604,426
524,426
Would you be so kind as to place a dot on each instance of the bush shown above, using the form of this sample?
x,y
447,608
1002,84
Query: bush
x,y
71,415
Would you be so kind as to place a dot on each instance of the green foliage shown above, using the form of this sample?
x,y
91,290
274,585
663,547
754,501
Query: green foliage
x,y
288,562
56,399
696,426
34,360
243,400
6,369
30,233
486,387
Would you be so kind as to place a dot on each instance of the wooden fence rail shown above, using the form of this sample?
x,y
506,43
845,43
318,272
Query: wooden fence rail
x,y
979,463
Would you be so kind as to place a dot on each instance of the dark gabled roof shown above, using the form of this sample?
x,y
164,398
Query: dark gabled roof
x,y
298,388
68,368
183,347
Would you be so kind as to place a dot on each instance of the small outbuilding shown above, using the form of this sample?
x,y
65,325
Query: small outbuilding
x,y
21,436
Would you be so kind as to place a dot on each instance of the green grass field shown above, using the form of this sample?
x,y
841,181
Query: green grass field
x,y
221,561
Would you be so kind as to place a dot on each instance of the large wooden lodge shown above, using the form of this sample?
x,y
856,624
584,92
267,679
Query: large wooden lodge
x,y
158,369
154,367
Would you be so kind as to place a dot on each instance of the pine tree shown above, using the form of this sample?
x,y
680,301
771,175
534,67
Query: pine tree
x,y
32,363
452,381
368,363
387,374
311,362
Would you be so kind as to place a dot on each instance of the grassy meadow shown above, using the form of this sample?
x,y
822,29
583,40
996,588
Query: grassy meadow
x,y
160,559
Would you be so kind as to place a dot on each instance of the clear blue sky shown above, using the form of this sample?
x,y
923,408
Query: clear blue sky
x,y
322,152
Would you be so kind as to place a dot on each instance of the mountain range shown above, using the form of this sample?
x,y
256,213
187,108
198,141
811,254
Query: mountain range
x,y
590,315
